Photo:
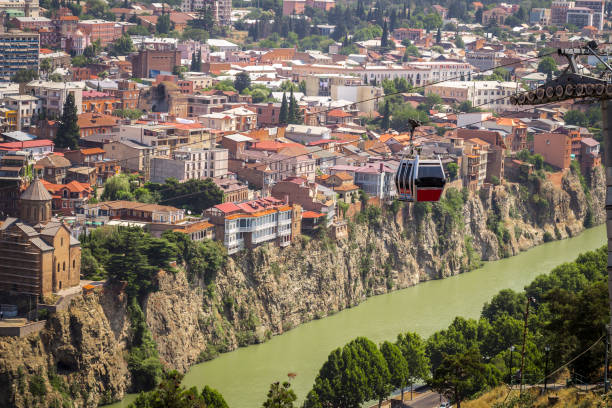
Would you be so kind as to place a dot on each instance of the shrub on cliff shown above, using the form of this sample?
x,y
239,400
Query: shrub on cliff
x,y
202,259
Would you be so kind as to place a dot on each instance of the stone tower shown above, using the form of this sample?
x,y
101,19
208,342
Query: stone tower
x,y
35,204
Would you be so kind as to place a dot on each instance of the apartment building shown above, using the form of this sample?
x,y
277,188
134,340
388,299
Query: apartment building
x,y
198,105
556,148
134,211
558,12
150,63
222,9
218,121
487,95
186,164
249,224
539,16
100,30
29,8
18,51
99,102
598,9
580,17
484,58
25,106
53,95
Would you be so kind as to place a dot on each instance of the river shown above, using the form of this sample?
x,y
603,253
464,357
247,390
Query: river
x,y
243,376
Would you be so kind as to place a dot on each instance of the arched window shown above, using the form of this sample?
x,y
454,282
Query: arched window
x,y
74,263
64,268
58,266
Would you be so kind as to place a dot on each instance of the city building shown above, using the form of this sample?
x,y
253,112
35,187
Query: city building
x,y
556,148
28,8
487,95
133,155
234,191
53,168
102,30
134,211
539,16
218,121
38,256
94,158
222,9
310,196
14,168
53,95
484,58
495,16
306,134
25,106
69,197
186,164
598,8
99,102
249,224
18,51
558,12
580,17
150,63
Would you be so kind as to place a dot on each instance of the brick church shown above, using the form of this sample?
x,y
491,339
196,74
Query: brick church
x,y
38,255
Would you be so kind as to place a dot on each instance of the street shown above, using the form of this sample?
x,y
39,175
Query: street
x,y
427,399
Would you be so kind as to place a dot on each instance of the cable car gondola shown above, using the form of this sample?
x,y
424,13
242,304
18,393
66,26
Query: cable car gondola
x,y
420,179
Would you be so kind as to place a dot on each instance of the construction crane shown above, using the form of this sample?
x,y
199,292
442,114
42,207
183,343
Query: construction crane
x,y
571,85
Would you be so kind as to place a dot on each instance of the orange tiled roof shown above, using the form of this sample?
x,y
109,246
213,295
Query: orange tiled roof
x,y
347,187
92,150
198,226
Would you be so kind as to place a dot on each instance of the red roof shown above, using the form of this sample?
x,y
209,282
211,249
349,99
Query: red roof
x,y
227,208
94,94
45,51
273,145
319,142
93,150
312,214
26,144
338,113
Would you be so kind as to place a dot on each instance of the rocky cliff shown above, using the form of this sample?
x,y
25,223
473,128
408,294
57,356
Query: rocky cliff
x,y
80,355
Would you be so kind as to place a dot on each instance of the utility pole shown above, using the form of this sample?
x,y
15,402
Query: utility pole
x,y
529,300
511,376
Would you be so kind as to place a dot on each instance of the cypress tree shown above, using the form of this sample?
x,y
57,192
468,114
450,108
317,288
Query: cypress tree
x,y
194,61
292,118
386,119
283,116
438,36
68,132
385,35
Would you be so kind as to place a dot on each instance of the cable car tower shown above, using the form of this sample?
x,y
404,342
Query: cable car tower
x,y
573,85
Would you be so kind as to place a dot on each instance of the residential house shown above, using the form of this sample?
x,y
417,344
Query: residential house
x,y
134,211
218,121
556,148
99,102
94,158
36,148
14,166
342,184
186,164
132,155
589,155
53,168
198,231
53,95
245,119
69,197
247,225
25,106
309,196
94,123
306,134
233,190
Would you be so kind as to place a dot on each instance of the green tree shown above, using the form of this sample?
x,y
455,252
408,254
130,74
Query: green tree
x,y
412,347
397,364
384,39
68,132
452,169
242,81
194,195
575,117
213,398
438,36
547,65
294,115
117,188
280,396
123,45
23,76
459,41
385,122
163,25
45,65
170,394
283,116
461,375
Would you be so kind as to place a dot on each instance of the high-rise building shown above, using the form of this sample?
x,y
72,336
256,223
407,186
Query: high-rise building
x,y
598,7
580,17
18,50
558,12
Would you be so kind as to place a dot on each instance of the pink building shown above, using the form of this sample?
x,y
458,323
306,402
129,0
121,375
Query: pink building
x,y
104,31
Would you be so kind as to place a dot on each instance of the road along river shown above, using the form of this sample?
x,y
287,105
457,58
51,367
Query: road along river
x,y
243,376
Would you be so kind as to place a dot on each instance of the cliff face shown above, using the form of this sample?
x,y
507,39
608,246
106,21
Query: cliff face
x,y
269,290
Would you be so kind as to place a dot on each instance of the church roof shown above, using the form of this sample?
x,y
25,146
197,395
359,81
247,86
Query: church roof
x,y
42,245
36,192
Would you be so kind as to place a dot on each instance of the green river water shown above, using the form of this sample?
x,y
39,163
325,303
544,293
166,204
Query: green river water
x,y
243,376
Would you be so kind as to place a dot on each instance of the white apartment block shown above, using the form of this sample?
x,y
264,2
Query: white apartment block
x,y
222,9
487,95
186,164
53,95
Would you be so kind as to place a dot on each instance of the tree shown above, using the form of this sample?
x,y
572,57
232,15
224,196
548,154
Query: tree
x,y
280,396
45,65
283,116
89,51
170,394
452,169
294,116
194,195
463,374
438,36
68,132
459,41
574,117
196,61
547,65
242,81
213,398
412,347
163,25
385,123
384,39
23,76
123,45
117,188
397,364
